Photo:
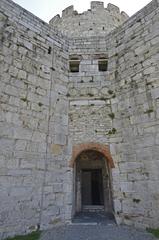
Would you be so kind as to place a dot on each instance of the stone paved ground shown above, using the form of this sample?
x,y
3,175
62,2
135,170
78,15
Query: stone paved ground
x,y
95,232
95,227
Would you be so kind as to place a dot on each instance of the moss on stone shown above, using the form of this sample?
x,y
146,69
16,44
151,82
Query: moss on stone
x,y
155,232
32,236
111,115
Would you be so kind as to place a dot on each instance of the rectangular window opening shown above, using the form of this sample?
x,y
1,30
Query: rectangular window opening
x,y
103,65
74,65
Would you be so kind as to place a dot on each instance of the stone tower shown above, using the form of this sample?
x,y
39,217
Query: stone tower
x,y
95,21
79,116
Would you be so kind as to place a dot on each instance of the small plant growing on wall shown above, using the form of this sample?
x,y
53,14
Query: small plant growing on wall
x,y
90,94
40,104
112,131
114,96
68,95
149,111
103,98
111,115
24,99
110,92
136,200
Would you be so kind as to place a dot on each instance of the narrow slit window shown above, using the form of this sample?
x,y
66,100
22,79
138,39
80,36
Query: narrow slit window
x,y
74,65
103,65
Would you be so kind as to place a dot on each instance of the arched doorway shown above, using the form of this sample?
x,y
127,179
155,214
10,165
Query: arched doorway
x,y
92,182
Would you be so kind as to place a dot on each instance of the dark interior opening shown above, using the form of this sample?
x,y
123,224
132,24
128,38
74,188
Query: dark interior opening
x,y
103,65
74,65
92,187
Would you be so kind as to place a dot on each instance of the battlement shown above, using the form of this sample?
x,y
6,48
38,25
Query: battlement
x,y
97,4
78,107
68,11
94,5
96,20
113,8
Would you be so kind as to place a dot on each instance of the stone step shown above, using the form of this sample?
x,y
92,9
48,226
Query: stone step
x,y
93,208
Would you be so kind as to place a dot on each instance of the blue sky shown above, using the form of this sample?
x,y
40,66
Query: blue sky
x,y
46,9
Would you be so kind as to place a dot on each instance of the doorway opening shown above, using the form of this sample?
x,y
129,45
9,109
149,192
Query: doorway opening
x,y
92,183
92,187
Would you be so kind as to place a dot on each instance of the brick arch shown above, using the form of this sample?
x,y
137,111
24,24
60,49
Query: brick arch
x,y
101,148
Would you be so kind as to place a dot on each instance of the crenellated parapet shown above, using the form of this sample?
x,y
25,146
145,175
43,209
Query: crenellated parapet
x,y
68,11
97,5
96,20
90,95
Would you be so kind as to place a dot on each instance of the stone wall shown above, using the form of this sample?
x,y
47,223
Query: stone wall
x,y
134,64
45,111
120,108
95,21
34,150
89,94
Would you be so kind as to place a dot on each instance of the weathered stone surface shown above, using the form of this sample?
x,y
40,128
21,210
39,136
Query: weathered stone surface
x,y
94,21
45,110
56,149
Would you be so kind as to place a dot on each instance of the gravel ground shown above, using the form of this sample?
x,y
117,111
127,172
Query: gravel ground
x,y
79,231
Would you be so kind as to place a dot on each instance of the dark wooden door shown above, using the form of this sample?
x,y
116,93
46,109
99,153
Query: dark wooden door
x,y
92,187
